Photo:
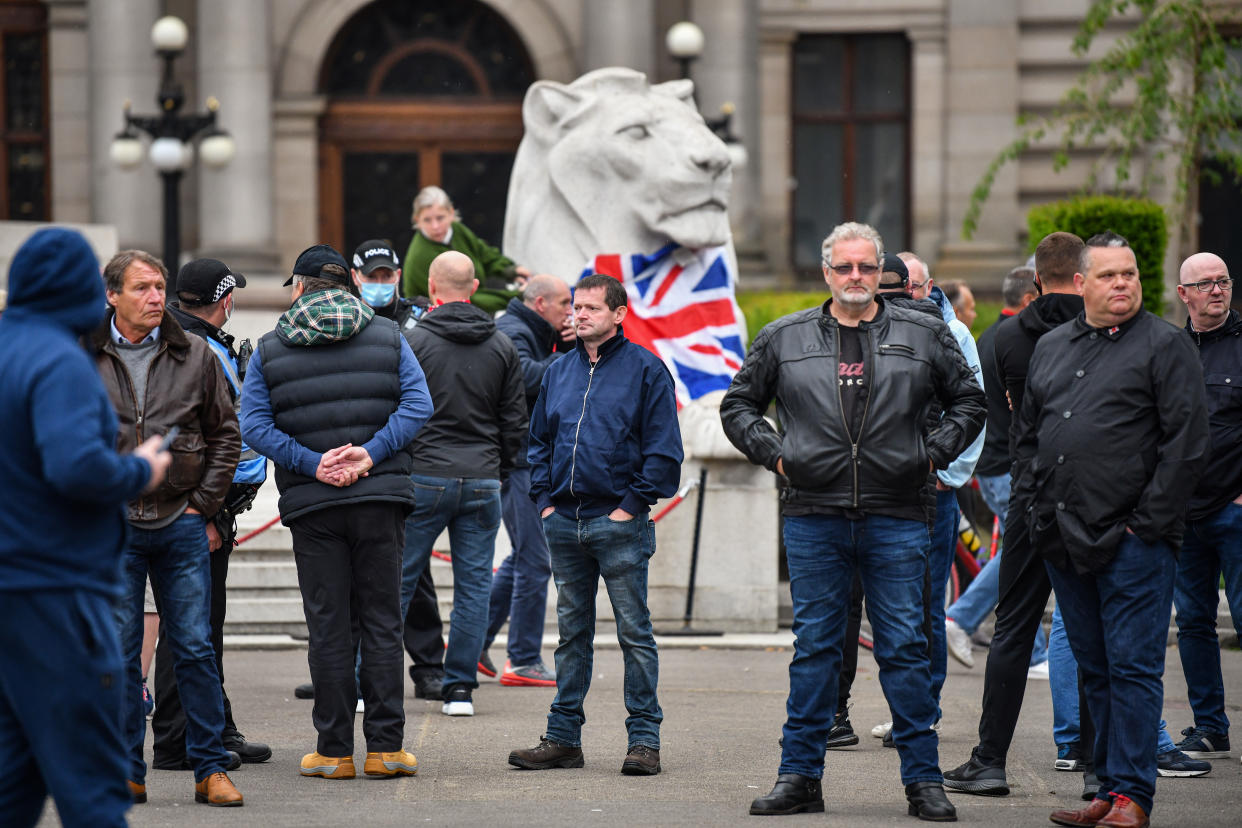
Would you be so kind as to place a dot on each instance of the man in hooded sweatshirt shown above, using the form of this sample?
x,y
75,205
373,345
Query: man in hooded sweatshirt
x,y
62,529
334,396
468,447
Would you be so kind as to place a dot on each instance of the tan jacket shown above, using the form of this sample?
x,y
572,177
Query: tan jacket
x,y
185,387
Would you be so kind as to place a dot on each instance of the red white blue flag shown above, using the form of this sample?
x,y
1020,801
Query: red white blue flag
x,y
682,309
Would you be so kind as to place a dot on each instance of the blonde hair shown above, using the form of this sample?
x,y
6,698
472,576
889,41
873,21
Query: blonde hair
x,y
431,197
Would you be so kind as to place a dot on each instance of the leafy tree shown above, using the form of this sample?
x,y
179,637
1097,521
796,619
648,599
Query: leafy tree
x,y
1187,99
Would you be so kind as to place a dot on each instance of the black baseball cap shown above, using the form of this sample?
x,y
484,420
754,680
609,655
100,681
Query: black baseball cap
x,y
311,261
375,253
893,264
206,281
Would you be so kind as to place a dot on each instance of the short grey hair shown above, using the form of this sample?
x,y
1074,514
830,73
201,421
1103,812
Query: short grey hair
x,y
1017,283
850,231
114,270
1106,239
430,197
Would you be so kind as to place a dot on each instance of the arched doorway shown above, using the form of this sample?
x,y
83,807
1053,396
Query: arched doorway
x,y
419,93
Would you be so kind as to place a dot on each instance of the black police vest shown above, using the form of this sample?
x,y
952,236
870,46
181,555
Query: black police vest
x,y
325,396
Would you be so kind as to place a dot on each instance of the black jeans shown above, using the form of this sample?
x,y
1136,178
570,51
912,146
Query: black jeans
x,y
350,557
424,630
849,650
1023,595
168,723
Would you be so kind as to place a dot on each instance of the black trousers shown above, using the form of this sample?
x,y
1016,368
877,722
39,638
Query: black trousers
x,y
849,650
168,723
1023,596
424,630
349,566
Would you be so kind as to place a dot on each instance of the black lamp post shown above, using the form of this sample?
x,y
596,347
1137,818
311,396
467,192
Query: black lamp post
x,y
685,42
172,133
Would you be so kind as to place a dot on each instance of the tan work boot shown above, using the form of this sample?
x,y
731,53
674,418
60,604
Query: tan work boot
x,y
217,790
329,767
396,763
138,792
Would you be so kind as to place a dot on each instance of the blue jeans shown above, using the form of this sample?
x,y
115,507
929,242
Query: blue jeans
x,y
1063,682
890,554
940,563
179,564
1212,545
470,508
520,585
1117,621
979,600
583,551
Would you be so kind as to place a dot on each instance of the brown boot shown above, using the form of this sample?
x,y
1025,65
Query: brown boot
x,y
1083,817
1125,814
138,792
217,790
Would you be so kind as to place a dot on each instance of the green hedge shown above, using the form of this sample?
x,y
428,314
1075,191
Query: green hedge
x,y
763,306
1141,221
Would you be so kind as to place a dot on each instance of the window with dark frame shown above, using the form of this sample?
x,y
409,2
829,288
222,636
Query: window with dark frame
x,y
25,174
851,140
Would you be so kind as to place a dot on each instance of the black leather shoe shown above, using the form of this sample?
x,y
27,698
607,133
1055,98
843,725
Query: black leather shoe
x,y
304,691
793,793
975,777
183,764
428,685
928,802
250,752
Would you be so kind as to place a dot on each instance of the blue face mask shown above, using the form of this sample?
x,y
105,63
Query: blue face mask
x,y
378,295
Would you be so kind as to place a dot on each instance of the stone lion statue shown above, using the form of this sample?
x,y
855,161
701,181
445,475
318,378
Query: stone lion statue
x,y
612,164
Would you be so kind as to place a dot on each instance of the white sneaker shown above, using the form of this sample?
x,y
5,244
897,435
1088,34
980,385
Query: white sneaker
x,y
881,730
1038,673
361,706
458,703
959,643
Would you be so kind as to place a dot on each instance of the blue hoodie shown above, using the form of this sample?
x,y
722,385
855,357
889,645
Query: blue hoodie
x,y
62,484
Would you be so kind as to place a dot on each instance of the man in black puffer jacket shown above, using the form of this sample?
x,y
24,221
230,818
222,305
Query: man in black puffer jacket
x,y
334,397
467,448
853,381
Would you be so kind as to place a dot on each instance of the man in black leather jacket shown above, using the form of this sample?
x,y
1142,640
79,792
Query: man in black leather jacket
x,y
853,381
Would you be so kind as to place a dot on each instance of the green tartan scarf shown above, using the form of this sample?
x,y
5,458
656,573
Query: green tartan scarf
x,y
323,317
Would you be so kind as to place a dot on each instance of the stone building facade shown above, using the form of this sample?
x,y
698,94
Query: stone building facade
x,y
883,110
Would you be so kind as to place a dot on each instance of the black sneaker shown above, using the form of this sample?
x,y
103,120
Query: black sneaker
x,y
974,777
485,665
1069,758
1204,744
457,701
428,686
1177,764
547,754
842,733
641,761
304,691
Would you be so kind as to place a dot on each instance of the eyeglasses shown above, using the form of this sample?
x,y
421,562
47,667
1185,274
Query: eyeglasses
x,y
847,269
1206,285
917,285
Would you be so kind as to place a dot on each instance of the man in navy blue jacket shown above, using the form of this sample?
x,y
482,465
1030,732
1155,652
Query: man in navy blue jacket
x,y
604,446
62,528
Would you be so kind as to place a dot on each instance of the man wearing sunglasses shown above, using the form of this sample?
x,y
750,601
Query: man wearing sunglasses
x,y
853,380
1213,540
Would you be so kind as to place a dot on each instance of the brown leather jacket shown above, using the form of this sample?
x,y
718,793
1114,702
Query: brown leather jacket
x,y
187,388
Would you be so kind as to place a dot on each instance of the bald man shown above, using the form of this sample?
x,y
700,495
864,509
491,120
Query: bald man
x,y
1213,540
470,444
541,327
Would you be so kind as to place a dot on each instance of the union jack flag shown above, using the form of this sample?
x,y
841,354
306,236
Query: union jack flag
x,y
682,309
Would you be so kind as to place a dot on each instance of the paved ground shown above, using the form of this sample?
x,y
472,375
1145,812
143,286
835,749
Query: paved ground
x,y
723,711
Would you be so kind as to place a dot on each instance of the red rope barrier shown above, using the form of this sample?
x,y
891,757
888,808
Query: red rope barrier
x,y
256,532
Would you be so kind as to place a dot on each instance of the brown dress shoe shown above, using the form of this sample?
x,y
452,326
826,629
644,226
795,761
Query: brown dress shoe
x,y
217,790
1083,817
138,792
1125,814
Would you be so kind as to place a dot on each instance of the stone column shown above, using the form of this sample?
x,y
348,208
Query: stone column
x,y
775,144
235,203
123,66
726,74
927,139
619,34
69,79
981,117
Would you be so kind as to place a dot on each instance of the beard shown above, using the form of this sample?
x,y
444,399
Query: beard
x,y
855,299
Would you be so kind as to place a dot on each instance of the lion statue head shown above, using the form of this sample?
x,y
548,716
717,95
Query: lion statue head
x,y
610,163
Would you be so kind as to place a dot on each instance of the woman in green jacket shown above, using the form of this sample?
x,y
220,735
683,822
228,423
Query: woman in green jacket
x,y
437,230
